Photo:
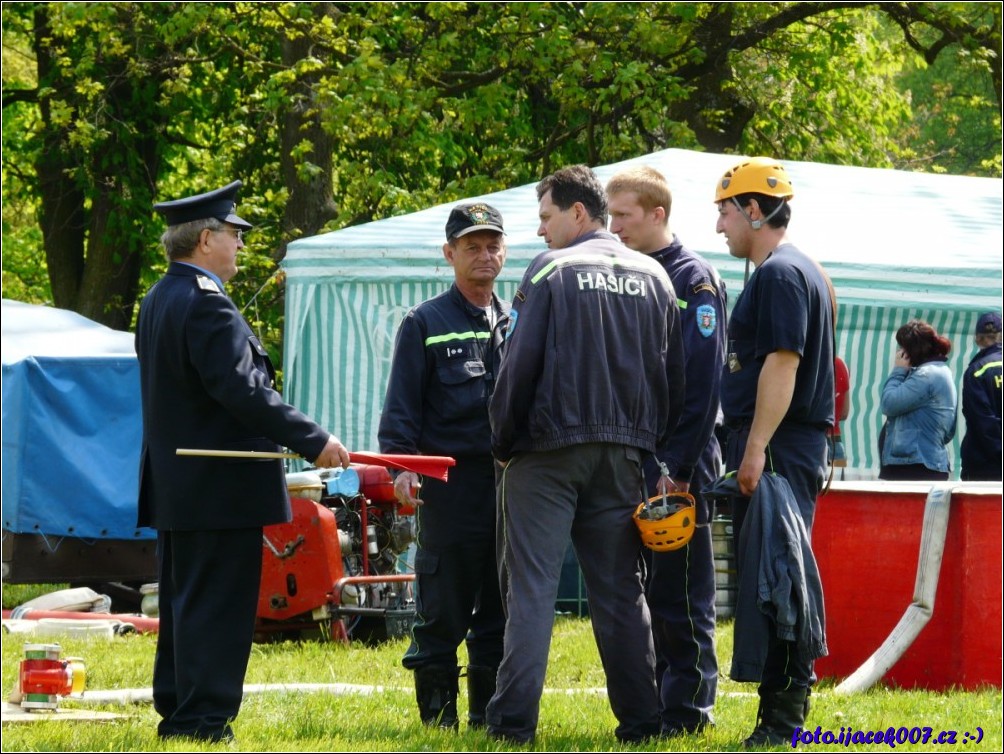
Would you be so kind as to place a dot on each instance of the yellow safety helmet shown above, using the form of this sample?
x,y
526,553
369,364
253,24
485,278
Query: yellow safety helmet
x,y
756,175
666,523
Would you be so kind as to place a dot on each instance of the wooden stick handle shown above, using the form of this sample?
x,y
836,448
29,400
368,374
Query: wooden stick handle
x,y
234,453
434,466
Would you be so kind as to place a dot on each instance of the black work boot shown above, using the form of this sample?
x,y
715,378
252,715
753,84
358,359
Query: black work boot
x,y
780,713
436,689
480,690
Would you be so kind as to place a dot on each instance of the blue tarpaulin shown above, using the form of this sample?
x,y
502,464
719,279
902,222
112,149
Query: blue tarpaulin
x,y
72,425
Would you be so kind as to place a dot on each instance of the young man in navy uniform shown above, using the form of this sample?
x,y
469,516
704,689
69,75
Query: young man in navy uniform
x,y
777,399
681,587
207,382
981,404
442,375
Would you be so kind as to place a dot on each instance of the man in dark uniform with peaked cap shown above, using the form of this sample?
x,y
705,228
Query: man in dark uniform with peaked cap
x,y
207,382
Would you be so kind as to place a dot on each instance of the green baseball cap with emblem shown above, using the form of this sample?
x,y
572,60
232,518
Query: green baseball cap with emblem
x,y
467,218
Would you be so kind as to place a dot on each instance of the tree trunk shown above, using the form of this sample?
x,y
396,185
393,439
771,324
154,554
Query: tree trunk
x,y
109,285
309,178
61,208
714,110
95,201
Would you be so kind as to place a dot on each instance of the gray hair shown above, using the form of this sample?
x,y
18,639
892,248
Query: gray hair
x,y
180,240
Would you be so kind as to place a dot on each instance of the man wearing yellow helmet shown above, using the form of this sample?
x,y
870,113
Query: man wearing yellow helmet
x,y
777,399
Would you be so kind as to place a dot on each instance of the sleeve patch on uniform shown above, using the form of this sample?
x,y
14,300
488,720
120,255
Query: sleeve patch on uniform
x,y
513,314
707,320
705,286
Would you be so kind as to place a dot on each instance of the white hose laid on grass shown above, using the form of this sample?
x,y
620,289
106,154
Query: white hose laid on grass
x,y
145,696
142,696
919,612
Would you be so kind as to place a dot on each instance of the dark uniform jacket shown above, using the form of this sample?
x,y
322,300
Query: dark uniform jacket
x,y
981,405
207,382
445,360
700,294
593,352
780,588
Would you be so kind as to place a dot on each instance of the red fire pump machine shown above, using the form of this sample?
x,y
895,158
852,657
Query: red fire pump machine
x,y
339,566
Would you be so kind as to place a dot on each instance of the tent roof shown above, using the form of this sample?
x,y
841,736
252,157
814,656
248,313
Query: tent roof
x,y
43,331
907,239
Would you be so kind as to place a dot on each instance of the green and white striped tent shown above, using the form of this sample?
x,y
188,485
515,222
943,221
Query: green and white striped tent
x,y
897,245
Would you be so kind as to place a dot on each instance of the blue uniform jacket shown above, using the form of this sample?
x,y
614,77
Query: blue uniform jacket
x,y
445,360
780,584
207,382
593,353
701,296
981,405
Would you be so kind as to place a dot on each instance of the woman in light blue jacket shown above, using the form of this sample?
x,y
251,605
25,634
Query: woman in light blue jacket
x,y
920,400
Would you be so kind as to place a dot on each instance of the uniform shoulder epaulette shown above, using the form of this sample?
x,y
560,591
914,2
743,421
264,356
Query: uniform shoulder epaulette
x,y
207,284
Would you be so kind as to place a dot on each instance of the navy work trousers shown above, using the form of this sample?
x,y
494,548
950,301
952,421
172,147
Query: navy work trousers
x,y
586,493
681,597
456,583
208,598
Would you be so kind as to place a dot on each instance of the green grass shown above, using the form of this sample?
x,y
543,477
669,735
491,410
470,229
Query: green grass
x,y
387,720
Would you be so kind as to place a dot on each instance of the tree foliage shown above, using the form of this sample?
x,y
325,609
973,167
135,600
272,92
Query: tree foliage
x,y
339,113
955,94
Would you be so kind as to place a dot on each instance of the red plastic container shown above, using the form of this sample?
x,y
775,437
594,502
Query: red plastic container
x,y
866,537
375,483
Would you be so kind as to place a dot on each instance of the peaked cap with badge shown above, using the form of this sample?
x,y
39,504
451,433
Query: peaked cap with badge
x,y
220,203
471,217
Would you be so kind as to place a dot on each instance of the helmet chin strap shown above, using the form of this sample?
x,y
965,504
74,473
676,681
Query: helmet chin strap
x,y
756,224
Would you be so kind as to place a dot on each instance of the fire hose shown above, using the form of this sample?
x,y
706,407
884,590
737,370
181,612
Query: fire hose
x,y
141,623
919,611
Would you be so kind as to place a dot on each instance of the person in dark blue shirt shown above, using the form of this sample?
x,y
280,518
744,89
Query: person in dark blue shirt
x,y
777,398
981,404
681,589
443,371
